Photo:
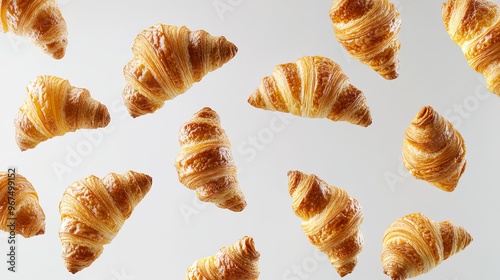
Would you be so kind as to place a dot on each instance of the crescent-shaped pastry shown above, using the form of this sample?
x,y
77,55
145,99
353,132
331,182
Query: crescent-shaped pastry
x,y
368,30
312,87
331,219
414,245
433,150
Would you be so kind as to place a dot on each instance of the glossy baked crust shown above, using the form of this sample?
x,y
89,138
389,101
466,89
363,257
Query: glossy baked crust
x,y
239,261
205,162
474,25
331,219
92,212
433,150
52,108
28,214
414,244
167,61
41,21
312,87
368,30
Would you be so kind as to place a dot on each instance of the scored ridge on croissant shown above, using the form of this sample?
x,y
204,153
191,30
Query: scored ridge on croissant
x,y
52,108
433,150
368,30
167,61
239,261
41,21
28,214
312,87
474,25
331,219
205,162
92,212
414,245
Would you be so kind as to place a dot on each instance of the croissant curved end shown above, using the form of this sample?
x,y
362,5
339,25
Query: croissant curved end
x,y
293,178
424,116
56,49
247,244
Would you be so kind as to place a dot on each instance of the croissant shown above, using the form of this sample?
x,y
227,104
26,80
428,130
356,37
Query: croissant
x,y
433,150
52,108
313,87
205,162
239,261
41,21
474,26
92,212
414,244
331,219
25,211
167,61
368,30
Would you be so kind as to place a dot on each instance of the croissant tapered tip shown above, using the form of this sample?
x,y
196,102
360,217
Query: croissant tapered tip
x,y
424,116
391,75
56,49
256,100
293,178
366,120
346,268
229,50
207,113
240,206
247,243
102,117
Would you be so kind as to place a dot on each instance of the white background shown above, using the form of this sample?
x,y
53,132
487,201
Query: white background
x,y
170,229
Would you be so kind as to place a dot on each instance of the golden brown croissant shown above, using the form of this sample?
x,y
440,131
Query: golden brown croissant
x,y
24,211
331,219
52,108
313,87
474,25
92,212
414,244
205,162
239,261
167,61
368,30
433,150
41,21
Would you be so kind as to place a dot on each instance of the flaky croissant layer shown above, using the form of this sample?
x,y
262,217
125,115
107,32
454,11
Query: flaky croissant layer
x,y
414,245
368,30
26,213
93,210
205,161
41,21
167,61
53,107
239,261
331,219
474,25
433,150
312,87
